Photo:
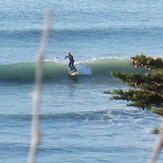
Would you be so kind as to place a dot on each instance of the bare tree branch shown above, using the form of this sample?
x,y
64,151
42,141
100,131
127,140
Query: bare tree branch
x,y
158,148
36,134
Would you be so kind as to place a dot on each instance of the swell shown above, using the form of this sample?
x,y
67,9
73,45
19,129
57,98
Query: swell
x,y
56,71
99,33
73,116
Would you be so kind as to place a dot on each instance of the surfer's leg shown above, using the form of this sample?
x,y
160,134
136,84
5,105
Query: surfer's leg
x,y
70,65
73,66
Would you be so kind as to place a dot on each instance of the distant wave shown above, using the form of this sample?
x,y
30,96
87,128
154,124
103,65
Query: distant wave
x,y
55,71
98,33
110,114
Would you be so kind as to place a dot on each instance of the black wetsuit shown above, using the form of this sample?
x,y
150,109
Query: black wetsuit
x,y
71,63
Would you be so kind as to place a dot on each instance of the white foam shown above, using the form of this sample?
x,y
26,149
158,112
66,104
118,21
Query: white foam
x,y
83,69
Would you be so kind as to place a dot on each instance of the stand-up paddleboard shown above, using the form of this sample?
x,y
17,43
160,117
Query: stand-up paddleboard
x,y
73,73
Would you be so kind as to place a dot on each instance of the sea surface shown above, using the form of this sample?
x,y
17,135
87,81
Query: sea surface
x,y
79,123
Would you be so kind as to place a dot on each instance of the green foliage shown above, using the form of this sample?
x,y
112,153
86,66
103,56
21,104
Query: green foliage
x,y
158,111
156,131
148,88
147,62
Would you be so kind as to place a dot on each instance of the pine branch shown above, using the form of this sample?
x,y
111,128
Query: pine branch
x,y
139,98
147,92
147,62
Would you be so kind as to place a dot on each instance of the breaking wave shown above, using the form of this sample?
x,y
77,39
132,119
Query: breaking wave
x,y
55,71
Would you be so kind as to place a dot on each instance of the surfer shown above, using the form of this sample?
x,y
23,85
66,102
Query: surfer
x,y
71,63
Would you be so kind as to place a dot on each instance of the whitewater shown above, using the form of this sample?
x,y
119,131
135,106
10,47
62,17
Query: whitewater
x,y
79,123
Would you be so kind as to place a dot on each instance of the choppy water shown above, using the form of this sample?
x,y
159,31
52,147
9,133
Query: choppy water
x,y
79,123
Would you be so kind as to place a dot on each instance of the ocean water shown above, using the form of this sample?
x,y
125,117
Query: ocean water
x,y
79,124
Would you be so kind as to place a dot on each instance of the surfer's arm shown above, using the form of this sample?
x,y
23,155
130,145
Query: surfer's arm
x,y
66,56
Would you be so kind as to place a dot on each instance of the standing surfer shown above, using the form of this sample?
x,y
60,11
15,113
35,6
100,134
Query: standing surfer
x,y
71,63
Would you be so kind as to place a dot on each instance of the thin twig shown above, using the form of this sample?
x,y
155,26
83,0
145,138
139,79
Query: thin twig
x,y
35,135
158,148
